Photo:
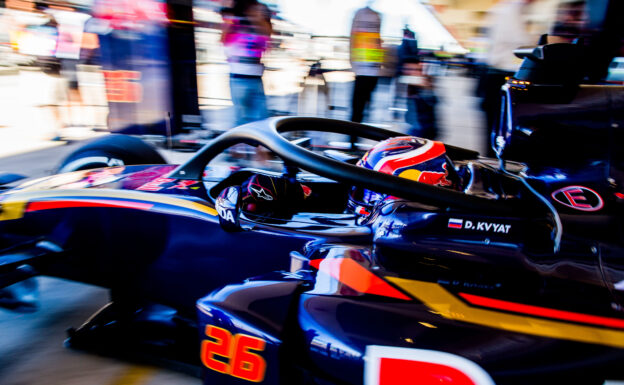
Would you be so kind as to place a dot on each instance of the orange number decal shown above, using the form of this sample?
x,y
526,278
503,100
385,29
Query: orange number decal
x,y
220,347
241,361
245,364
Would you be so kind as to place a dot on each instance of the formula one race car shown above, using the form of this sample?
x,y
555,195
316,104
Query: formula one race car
x,y
416,263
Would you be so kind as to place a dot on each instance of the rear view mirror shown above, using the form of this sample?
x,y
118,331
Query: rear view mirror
x,y
228,206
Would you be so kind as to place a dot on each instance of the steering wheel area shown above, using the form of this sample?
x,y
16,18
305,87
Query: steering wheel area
x,y
269,133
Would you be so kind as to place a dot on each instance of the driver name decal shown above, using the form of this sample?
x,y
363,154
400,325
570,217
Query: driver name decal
x,y
483,226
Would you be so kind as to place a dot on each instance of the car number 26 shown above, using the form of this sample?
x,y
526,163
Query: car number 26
x,y
233,354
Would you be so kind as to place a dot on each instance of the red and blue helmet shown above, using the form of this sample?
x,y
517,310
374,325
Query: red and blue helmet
x,y
410,157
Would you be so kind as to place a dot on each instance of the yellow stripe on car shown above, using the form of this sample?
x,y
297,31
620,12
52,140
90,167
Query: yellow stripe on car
x,y
442,302
11,209
13,205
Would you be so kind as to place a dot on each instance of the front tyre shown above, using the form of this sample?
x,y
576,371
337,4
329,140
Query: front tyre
x,y
109,151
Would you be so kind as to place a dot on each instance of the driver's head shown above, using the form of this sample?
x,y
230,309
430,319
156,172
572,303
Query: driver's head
x,y
409,157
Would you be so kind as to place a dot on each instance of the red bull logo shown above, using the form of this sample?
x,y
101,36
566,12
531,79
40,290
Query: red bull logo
x,y
435,178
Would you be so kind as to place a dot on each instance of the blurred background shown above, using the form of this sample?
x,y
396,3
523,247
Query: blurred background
x,y
70,70
179,72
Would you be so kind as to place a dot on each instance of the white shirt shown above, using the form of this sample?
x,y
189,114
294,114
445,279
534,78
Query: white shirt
x,y
508,30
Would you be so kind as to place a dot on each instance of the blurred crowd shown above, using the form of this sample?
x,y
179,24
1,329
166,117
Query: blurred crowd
x,y
253,62
51,84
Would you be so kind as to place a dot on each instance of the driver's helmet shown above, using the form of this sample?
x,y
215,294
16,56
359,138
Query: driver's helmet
x,y
408,157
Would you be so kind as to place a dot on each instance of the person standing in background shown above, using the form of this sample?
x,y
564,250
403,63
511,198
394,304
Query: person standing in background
x,y
409,46
508,29
367,56
408,50
246,35
70,31
570,22
421,98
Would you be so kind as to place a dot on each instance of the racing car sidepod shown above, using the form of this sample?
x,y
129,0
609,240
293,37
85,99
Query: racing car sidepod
x,y
244,330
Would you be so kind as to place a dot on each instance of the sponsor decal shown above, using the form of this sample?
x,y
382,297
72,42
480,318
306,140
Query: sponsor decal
x,y
489,227
435,178
92,178
261,193
150,173
233,355
578,198
155,185
158,184
225,214
182,185
385,365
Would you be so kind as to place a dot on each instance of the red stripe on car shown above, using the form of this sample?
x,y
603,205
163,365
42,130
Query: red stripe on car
x,y
543,311
62,204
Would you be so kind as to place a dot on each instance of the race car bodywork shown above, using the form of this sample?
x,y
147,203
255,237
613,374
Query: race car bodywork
x,y
513,276
349,319
441,294
131,229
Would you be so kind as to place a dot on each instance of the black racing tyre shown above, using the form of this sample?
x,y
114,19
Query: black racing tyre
x,y
111,150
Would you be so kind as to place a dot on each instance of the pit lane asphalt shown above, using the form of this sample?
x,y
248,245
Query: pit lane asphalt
x,y
31,344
